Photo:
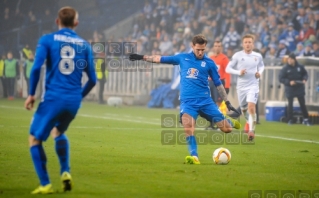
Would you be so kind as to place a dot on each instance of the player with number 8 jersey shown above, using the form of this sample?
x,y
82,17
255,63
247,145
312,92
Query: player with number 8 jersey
x,y
67,57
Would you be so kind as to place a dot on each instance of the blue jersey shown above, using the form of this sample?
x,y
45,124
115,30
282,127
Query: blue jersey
x,y
67,56
194,74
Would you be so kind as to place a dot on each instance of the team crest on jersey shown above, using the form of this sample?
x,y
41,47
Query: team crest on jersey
x,y
242,59
255,59
192,73
203,64
298,69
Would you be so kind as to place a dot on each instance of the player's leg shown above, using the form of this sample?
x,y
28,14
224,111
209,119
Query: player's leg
x,y
188,115
302,103
62,147
214,96
252,98
242,99
211,112
290,110
42,123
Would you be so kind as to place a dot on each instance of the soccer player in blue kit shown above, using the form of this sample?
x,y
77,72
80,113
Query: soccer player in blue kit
x,y
67,56
195,68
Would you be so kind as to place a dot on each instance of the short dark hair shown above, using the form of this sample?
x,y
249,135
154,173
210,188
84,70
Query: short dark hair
x,y
67,16
199,39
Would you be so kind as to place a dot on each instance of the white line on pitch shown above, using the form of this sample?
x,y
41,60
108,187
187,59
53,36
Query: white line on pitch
x,y
133,117
158,124
289,139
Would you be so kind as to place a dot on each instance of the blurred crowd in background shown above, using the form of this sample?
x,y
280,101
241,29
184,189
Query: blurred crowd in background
x,y
166,26
280,26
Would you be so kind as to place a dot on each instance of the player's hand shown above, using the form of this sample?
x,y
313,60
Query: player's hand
x,y
231,108
304,81
292,83
243,72
134,57
257,75
29,102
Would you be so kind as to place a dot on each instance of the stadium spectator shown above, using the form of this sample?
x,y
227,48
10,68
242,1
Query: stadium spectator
x,y
308,50
301,18
299,50
306,32
271,52
315,47
147,10
290,36
231,39
282,49
166,46
316,25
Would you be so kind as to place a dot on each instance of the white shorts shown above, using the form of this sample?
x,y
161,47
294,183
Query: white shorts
x,y
245,96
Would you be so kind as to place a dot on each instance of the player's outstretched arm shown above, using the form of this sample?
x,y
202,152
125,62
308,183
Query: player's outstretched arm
x,y
174,60
151,58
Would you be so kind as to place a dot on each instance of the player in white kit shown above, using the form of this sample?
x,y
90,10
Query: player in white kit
x,y
248,65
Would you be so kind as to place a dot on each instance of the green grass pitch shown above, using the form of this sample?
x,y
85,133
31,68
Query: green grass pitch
x,y
117,152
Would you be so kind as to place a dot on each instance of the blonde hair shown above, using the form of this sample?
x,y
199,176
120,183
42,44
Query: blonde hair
x,y
248,36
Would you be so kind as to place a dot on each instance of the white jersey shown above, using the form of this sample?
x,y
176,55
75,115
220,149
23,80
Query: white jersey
x,y
252,62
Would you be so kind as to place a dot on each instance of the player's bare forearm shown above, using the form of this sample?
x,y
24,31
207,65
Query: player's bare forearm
x,y
152,58
222,92
148,58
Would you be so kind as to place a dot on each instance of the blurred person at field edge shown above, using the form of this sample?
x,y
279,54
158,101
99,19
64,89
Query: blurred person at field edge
x,y
2,77
294,76
102,75
27,70
26,52
11,71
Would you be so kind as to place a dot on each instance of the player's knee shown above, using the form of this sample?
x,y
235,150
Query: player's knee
x,y
251,108
226,129
33,141
55,133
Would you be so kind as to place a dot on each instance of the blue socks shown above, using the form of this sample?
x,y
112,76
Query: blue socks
x,y
40,160
192,145
62,150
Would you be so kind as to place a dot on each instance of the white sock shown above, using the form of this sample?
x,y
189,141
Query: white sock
x,y
252,121
255,121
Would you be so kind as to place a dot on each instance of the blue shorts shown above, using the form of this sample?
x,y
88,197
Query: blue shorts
x,y
52,114
205,107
